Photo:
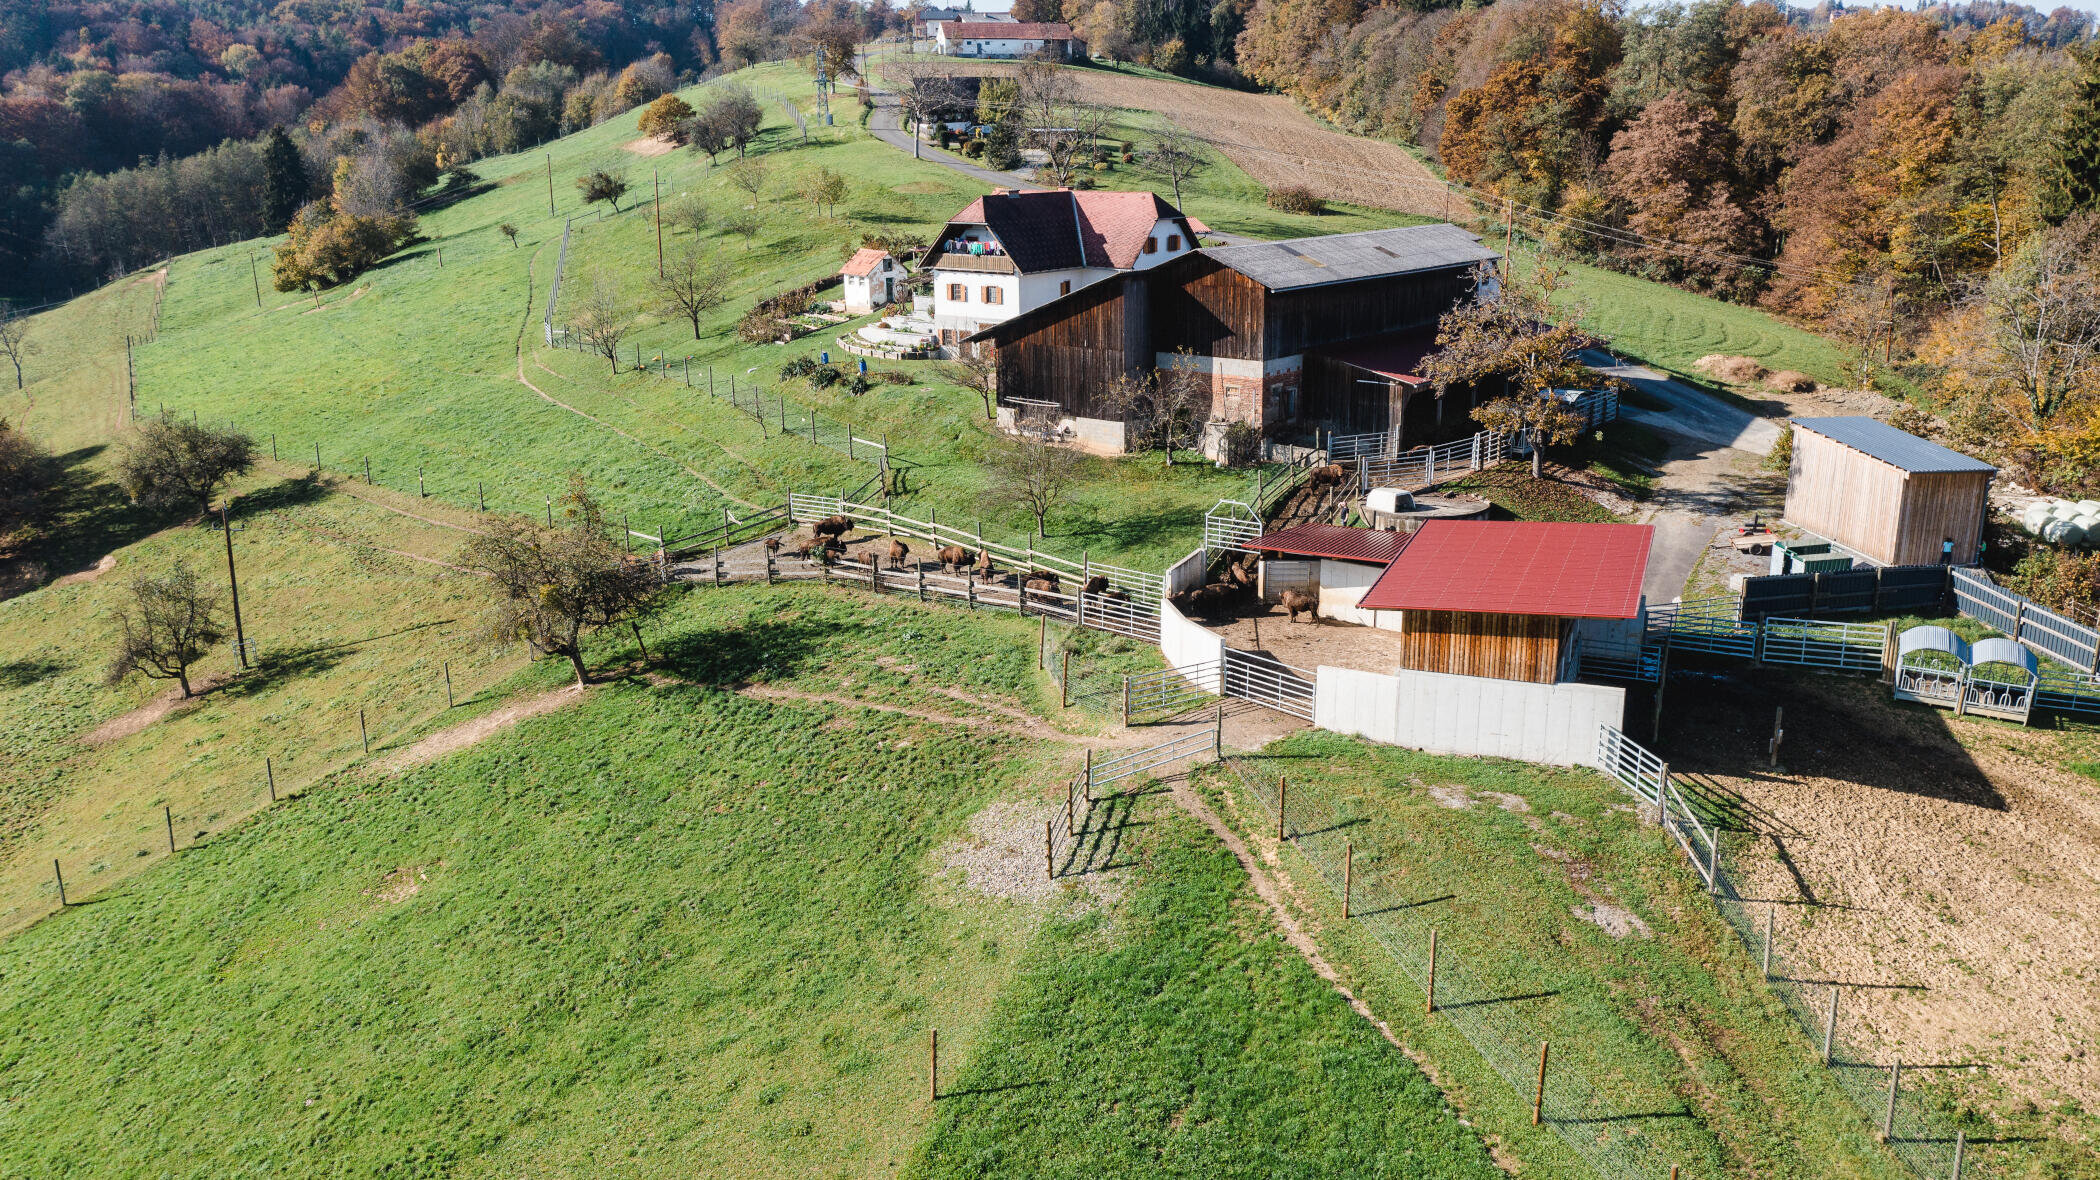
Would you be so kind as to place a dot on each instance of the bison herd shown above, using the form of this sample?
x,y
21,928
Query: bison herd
x,y
827,544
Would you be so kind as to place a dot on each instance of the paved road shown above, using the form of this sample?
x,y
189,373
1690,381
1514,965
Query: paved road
x,y
1693,413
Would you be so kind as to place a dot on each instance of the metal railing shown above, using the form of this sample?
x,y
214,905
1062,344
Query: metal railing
x,y
1137,583
1169,691
1230,525
1269,682
1818,643
2030,624
1426,465
1636,767
1106,772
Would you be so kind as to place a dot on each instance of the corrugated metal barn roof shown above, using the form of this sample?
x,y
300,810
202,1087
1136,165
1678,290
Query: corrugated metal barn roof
x,y
1344,258
1893,447
1519,567
1335,541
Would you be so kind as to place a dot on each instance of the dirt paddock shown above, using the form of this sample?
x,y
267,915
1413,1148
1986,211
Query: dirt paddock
x,y
1310,642
1946,869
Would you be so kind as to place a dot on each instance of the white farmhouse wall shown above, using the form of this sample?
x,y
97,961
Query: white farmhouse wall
x,y
1043,286
1186,645
1473,715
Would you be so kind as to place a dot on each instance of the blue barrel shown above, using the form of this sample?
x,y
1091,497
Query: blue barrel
x,y
864,364
824,358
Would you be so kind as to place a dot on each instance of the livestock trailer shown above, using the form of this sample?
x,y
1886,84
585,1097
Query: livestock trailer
x,y
1892,497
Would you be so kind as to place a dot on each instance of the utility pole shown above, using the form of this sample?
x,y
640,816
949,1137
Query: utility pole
x,y
240,639
656,179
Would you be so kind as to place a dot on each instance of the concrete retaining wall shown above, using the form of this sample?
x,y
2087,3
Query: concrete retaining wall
x,y
1445,714
1186,645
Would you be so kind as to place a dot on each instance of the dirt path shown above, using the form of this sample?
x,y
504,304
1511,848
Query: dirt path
x,y
1034,728
467,733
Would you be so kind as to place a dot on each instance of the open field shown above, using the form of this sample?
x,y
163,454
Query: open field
x,y
1940,868
699,922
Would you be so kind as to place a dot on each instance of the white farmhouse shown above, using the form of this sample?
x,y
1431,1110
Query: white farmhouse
x,y
870,278
1013,251
980,38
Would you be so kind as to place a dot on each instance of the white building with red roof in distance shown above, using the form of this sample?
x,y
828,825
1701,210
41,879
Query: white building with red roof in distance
x,y
1008,38
1016,250
870,279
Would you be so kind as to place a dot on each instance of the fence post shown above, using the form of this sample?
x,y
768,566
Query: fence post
x,y
1217,733
933,1067
448,684
1050,855
1768,943
1538,1096
1348,875
922,583
2019,619
363,735
1888,1118
1126,700
1961,1146
1042,638
1778,732
1830,1024
1888,653
271,773
1064,679
1429,997
1089,778
1283,793
970,589
60,877
168,813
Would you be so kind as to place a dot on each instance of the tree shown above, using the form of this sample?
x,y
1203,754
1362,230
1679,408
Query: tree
x,y
175,462
168,624
752,176
1174,156
2027,336
979,374
27,475
553,585
284,180
15,343
324,249
695,281
928,96
1521,341
601,318
1030,472
603,185
1047,108
666,118
823,189
509,231
1165,408
688,212
1671,170
735,115
2078,145
744,223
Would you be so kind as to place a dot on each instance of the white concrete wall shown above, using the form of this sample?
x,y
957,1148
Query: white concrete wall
x,y
1043,286
1186,645
1473,715
1611,637
1099,436
1188,573
1342,585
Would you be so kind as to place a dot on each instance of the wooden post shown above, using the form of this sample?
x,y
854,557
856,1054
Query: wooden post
x,y
970,589
1768,943
1348,875
1830,1025
448,684
933,1067
1283,792
1888,653
1089,780
60,877
1049,853
363,734
922,583
1429,996
317,456
1071,797
1538,1096
1961,1148
1042,638
273,446
1064,679
368,469
1126,700
481,494
1888,1117
271,773
1778,732
168,813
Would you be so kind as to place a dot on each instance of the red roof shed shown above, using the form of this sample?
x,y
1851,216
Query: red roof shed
x,y
1569,571
1338,542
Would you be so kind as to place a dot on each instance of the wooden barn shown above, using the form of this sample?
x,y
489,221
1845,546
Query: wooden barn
x,y
1892,497
1279,329
1512,600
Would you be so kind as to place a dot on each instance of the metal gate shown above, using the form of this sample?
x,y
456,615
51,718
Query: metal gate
x,y
1230,525
1704,624
1819,643
1269,682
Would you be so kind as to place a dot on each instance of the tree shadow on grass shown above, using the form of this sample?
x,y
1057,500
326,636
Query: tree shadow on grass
x,y
34,670
92,517
779,650
289,493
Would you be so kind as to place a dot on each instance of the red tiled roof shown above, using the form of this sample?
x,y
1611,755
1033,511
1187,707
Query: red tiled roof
x,y
1198,226
864,261
1041,230
1338,542
985,30
1397,357
1581,571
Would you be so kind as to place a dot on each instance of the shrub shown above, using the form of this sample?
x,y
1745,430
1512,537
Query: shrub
x,y
823,377
1101,167
1295,198
859,384
325,249
801,366
974,148
760,327
894,376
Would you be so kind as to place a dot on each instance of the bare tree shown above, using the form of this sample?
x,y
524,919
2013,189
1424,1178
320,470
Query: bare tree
x,y
929,95
2038,347
14,338
980,375
1165,408
823,189
1056,122
1531,347
172,462
1861,316
554,585
744,223
695,281
1030,472
1175,156
751,175
602,318
165,627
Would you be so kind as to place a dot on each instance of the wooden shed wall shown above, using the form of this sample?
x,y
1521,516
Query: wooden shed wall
x,y
1939,505
1316,316
1071,358
1470,643
1890,515
1208,308
1349,399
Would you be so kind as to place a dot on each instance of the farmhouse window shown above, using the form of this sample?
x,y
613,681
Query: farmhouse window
x,y
1151,245
1065,288
959,292
1173,242
994,295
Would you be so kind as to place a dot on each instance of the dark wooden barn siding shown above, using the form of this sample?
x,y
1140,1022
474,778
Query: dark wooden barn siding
x,y
1470,643
1069,358
1347,398
1313,316
1208,308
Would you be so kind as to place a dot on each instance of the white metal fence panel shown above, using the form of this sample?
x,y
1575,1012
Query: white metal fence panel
x,y
1230,525
1112,770
1637,768
1818,643
1270,683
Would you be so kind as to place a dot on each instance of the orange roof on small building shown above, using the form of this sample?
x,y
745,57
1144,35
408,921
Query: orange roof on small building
x,y
864,261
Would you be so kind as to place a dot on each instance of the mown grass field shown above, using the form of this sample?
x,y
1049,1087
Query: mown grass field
x,y
1669,1018
676,929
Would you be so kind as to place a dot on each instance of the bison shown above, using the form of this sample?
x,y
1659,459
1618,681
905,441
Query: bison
x,y
898,552
953,558
772,546
1042,585
832,526
1049,576
985,568
1329,476
1299,600
1098,584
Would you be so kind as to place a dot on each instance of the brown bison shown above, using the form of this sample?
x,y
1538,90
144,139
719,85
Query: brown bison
x,y
1098,584
1329,476
772,546
953,558
898,552
1299,600
832,526
1049,576
1042,585
985,568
